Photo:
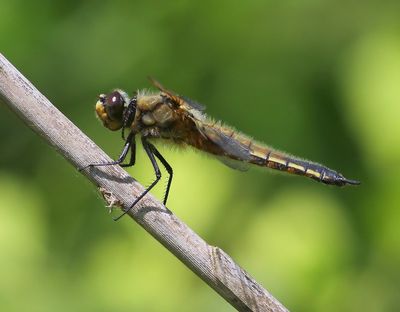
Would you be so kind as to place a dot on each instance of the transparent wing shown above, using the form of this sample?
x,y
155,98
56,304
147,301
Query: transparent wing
x,y
234,164
194,104
180,100
231,147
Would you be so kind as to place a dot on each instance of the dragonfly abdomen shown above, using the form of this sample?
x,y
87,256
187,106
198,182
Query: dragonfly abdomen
x,y
280,161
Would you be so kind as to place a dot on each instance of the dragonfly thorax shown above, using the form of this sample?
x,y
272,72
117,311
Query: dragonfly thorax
x,y
160,116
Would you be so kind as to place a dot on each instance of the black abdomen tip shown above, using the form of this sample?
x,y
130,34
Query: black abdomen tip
x,y
335,178
352,182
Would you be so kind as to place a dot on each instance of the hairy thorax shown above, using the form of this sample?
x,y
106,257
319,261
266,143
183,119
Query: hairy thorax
x,y
156,117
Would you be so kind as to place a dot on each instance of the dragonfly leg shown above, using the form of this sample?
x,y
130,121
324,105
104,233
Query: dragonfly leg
x,y
167,167
132,160
130,142
150,153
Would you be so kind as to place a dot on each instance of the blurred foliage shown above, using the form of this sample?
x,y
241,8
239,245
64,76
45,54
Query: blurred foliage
x,y
317,78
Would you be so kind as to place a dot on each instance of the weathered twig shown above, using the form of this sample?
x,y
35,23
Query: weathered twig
x,y
210,263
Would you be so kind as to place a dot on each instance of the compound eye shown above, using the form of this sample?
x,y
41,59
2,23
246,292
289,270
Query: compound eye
x,y
114,104
114,99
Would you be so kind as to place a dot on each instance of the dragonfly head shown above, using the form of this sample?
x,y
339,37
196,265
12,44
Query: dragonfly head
x,y
110,109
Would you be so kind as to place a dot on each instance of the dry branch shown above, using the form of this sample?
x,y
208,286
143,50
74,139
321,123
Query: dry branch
x,y
210,263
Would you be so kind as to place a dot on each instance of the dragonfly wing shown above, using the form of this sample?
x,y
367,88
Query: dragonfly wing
x,y
232,148
234,164
182,101
193,104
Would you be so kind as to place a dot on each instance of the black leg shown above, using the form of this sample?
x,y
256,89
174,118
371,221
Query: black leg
x,y
123,133
149,150
167,167
128,143
133,155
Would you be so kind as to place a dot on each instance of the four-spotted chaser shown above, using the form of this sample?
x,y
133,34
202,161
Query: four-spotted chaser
x,y
168,116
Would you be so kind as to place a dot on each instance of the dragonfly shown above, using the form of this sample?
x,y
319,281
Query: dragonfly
x,y
165,115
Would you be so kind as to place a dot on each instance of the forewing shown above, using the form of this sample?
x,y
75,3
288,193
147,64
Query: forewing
x,y
182,101
193,104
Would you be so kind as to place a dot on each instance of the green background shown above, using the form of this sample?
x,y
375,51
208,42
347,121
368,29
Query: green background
x,y
318,79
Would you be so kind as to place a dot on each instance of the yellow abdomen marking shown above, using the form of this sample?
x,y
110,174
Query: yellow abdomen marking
x,y
296,166
277,160
259,152
313,173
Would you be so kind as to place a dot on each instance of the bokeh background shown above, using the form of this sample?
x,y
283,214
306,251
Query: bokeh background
x,y
319,79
